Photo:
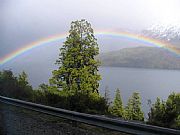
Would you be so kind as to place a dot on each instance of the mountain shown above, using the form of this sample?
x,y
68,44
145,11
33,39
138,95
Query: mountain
x,y
141,57
168,33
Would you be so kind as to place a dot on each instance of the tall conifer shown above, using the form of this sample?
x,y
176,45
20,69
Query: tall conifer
x,y
78,68
117,108
133,109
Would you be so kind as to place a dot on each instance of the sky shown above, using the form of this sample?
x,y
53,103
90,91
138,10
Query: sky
x,y
25,21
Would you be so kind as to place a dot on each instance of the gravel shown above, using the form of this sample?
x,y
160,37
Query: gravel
x,y
19,121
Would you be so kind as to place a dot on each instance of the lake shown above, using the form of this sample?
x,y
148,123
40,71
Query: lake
x,y
150,83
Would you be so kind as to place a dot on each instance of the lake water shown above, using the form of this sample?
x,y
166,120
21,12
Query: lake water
x,y
150,83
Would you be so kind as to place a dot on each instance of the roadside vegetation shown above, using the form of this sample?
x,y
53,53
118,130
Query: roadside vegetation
x,y
75,85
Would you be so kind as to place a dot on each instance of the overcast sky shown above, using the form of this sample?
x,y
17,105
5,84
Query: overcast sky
x,y
24,21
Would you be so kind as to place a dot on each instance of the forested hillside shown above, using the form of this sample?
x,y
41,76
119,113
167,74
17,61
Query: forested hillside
x,y
141,57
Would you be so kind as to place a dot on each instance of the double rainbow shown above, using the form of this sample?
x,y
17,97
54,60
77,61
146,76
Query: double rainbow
x,y
50,39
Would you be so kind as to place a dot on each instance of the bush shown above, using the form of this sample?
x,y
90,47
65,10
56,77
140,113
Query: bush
x,y
81,102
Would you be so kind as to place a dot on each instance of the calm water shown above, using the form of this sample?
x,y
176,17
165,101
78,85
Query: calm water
x,y
150,83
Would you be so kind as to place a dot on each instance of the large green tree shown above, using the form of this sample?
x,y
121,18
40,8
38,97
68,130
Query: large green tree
x,y
133,109
78,68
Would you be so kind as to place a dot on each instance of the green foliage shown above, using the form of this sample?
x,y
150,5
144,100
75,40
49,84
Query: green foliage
x,y
172,111
8,83
177,122
117,108
22,79
166,113
78,69
157,113
87,103
39,95
24,89
16,87
133,109
76,81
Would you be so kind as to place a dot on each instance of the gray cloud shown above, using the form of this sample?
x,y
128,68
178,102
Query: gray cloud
x,y
24,21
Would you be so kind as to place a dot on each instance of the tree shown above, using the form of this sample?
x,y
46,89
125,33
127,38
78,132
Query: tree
x,y
107,95
177,122
172,111
157,112
24,90
40,94
78,69
133,109
43,87
117,108
8,83
77,79
167,113
16,87
23,80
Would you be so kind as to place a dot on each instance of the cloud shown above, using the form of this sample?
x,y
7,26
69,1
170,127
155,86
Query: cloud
x,y
25,21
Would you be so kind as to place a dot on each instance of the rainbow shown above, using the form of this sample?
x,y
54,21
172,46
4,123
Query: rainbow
x,y
50,39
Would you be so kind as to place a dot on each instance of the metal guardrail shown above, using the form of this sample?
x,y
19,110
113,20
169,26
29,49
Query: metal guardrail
x,y
95,120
